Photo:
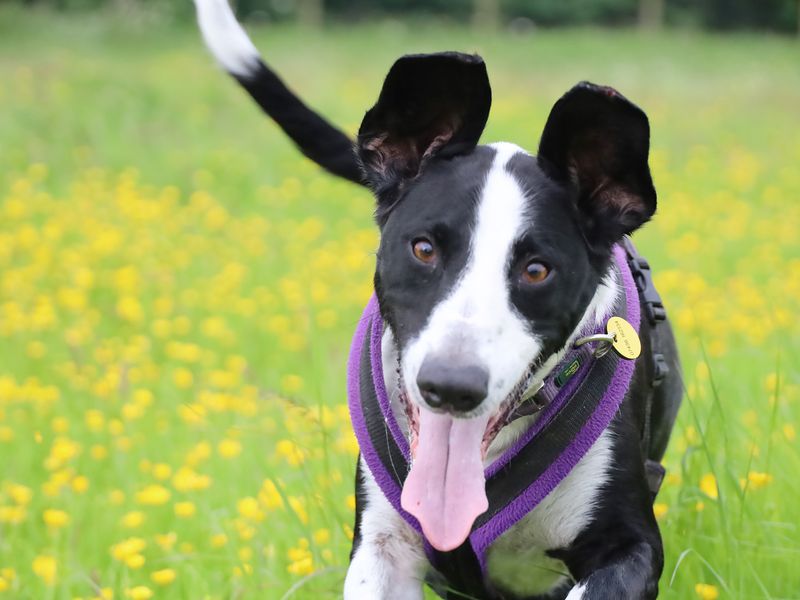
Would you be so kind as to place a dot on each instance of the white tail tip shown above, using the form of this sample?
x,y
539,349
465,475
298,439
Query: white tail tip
x,y
225,37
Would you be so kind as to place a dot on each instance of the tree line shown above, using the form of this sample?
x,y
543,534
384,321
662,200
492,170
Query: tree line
x,y
717,15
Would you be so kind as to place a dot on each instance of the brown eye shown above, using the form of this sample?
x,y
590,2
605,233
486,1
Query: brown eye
x,y
535,272
423,250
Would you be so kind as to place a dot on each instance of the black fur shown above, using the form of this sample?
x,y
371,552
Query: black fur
x,y
314,136
598,141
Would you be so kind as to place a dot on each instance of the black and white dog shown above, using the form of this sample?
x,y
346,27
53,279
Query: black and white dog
x,y
491,263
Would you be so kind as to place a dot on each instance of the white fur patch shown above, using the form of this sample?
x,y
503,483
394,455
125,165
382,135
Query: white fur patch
x,y
390,561
554,523
576,593
226,39
478,315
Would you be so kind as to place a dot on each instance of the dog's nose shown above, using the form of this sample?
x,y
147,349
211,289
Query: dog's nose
x,y
455,387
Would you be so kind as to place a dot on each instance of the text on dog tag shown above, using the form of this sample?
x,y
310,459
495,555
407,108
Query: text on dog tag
x,y
626,342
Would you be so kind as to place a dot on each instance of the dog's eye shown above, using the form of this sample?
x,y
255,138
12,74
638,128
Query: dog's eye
x,y
535,272
423,250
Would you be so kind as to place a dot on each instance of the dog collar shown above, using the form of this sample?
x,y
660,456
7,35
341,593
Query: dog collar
x,y
576,404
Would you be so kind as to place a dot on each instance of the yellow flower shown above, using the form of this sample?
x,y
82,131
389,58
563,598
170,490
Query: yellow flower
x,y
62,451
183,378
299,508
757,480
123,550
162,471
20,494
4,584
98,452
708,485
660,510
706,591
771,382
163,577
143,397
290,452
133,519
218,540
245,554
302,562
322,536
59,425
12,514
269,495
46,568
166,540
244,529
54,518
135,561
229,448
187,480
80,484
130,309
153,495
249,509
140,592
132,411
184,509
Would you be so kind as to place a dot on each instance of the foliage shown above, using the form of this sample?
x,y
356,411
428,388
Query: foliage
x,y
178,287
777,15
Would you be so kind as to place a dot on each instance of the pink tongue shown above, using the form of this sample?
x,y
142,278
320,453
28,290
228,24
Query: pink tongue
x,y
445,489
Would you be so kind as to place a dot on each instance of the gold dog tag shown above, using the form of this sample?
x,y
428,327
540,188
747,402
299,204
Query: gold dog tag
x,y
626,343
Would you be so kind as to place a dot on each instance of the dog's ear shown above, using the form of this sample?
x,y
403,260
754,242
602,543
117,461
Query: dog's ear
x,y
430,105
598,141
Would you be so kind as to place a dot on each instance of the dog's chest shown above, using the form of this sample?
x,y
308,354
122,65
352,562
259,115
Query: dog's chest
x,y
518,560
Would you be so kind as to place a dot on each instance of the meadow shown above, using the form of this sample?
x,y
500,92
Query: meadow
x,y
178,288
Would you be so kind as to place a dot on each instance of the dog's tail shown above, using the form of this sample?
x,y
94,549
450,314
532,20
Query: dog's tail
x,y
314,136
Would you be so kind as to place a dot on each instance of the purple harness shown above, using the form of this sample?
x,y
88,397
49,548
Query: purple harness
x,y
542,457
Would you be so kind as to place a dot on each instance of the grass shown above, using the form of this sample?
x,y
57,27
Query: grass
x,y
178,288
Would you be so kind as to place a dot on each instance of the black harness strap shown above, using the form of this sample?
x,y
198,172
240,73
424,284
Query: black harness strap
x,y
392,458
655,313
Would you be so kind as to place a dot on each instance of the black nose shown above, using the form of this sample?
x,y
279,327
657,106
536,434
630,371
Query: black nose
x,y
453,386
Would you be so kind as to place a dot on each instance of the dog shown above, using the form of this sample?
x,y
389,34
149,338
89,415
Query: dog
x,y
496,272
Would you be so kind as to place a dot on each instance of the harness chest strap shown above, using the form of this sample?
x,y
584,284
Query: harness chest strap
x,y
575,415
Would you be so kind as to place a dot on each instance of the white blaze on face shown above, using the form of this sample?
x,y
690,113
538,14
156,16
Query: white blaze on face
x,y
445,489
477,318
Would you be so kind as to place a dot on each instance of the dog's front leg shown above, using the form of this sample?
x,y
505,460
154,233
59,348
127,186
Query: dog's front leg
x,y
633,575
388,560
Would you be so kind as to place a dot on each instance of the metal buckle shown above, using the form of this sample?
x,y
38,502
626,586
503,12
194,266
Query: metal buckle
x,y
604,343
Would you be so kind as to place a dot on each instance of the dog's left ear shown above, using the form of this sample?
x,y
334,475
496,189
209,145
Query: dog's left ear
x,y
599,141
430,105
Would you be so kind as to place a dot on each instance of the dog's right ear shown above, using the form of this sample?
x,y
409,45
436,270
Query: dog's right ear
x,y
430,105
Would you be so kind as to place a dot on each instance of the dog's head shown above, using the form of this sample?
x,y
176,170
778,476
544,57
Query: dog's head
x,y
490,257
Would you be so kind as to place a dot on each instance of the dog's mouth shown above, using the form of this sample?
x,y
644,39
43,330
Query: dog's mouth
x,y
518,395
445,489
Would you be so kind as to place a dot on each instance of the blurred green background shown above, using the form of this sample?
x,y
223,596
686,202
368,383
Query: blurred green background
x,y
178,286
